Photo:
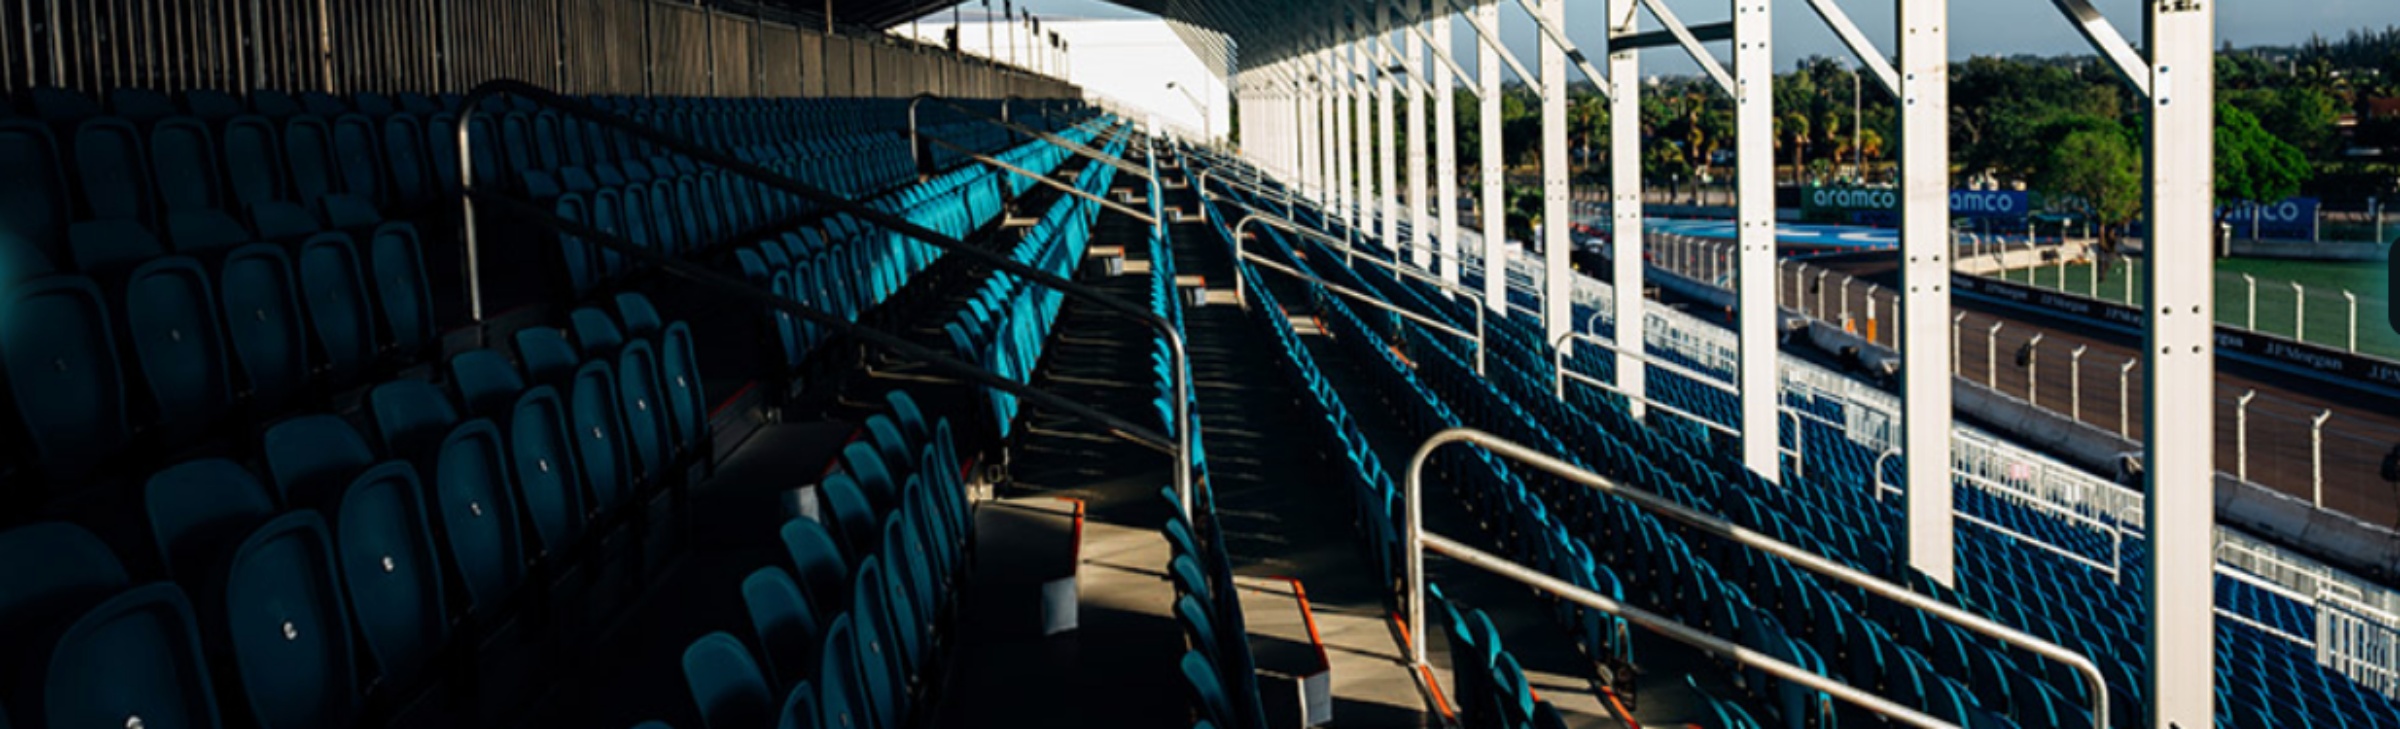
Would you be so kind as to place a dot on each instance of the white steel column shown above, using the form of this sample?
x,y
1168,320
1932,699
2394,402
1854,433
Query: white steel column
x,y
1364,53
1558,278
1387,124
1925,280
1420,247
2181,354
1345,156
1445,153
1754,153
1625,201
1494,209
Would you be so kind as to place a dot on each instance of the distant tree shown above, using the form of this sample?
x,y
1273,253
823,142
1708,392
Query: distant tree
x,y
2098,169
2253,164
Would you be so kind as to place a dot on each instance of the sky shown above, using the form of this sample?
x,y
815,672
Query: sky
x,y
1978,27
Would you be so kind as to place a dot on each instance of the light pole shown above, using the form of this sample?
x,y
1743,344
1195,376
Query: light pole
x,y
1208,119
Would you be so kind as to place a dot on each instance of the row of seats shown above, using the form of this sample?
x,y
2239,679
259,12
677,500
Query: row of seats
x,y
468,529
850,631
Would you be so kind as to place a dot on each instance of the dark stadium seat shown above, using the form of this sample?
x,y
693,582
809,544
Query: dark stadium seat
x,y
687,399
390,569
411,416
197,507
876,659
287,625
171,325
597,418
404,160
61,361
87,681
109,165
546,356
311,458
874,478
340,311
725,682
264,324
817,561
475,500
486,382
842,696
1206,692
851,516
183,164
309,158
34,215
549,485
259,177
647,423
799,708
107,249
786,627
397,269
50,571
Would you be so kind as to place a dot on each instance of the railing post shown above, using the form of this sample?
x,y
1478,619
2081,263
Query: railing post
x,y
1991,355
2124,395
1819,290
2033,370
2299,312
2241,435
1845,297
2353,299
2250,311
2316,465
1955,322
2075,382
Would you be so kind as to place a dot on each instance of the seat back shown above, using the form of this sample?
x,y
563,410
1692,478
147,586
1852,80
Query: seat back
x,y
108,164
312,457
171,318
339,311
545,355
687,399
34,214
852,518
597,420
87,680
62,369
287,625
486,383
390,570
646,420
864,462
799,708
198,507
786,627
269,338
542,451
309,157
397,268
1206,692
725,683
475,501
842,699
823,576
259,177
875,653
411,416
50,571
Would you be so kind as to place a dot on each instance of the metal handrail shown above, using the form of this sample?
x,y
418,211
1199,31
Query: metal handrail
x,y
1241,288
468,194
742,289
1045,180
1418,541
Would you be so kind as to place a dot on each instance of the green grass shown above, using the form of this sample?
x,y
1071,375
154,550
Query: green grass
x,y
2328,312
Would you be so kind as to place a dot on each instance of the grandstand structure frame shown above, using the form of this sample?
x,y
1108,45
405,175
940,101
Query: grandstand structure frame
x,y
1284,86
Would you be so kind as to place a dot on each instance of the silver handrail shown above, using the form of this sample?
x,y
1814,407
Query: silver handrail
x,y
1241,289
870,214
1418,541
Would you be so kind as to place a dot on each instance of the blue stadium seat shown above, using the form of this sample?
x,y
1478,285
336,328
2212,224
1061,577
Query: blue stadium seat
x,y
687,400
259,178
475,501
339,311
62,370
823,575
109,168
646,419
799,708
579,263
1206,692
441,155
865,464
786,628
595,333
357,159
183,165
850,515
34,215
895,611
106,249
397,268
287,625
726,684
390,570
910,419
50,571
878,670
597,419
638,316
309,156
486,382
411,416
546,356
311,458
87,681
404,159
171,323
197,506
549,483
263,322
842,699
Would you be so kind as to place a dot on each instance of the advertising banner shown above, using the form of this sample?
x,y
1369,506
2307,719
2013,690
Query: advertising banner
x,y
1880,206
2293,218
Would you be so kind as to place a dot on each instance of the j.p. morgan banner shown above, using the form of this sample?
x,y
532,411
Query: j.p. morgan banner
x,y
1877,205
2332,365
